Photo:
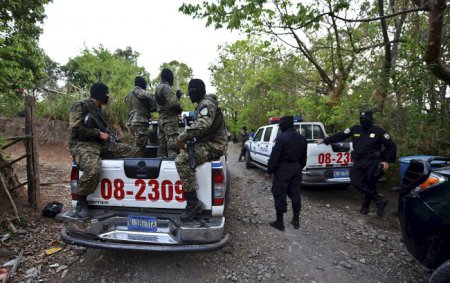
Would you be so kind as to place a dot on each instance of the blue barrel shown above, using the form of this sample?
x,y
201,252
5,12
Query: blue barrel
x,y
404,162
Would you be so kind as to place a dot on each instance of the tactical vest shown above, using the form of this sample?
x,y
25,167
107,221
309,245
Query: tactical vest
x,y
218,124
139,107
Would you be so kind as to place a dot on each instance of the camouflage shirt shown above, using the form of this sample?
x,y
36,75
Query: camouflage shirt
x,y
78,131
208,125
140,104
166,101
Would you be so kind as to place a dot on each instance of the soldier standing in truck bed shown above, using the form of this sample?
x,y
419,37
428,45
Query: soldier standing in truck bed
x,y
168,105
140,104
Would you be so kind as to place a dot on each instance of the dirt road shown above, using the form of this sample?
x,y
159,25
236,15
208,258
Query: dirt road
x,y
334,243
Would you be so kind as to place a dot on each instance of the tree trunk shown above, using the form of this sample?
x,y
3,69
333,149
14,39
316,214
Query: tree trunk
x,y
433,51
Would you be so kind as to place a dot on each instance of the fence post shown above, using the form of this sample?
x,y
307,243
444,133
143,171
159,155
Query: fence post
x,y
32,154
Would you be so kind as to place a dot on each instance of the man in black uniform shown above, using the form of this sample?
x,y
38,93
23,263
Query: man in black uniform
x,y
368,158
244,138
286,161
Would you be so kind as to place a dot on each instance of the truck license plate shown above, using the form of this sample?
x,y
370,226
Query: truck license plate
x,y
341,173
142,223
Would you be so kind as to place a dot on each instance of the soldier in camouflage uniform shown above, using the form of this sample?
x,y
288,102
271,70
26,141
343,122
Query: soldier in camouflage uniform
x,y
168,105
209,131
140,104
89,144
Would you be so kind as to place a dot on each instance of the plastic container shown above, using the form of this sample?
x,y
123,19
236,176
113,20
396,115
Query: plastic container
x,y
404,162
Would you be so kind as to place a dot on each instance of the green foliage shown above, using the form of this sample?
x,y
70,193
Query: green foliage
x,y
21,60
117,70
56,105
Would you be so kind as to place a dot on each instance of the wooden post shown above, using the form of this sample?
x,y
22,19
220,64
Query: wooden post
x,y
32,155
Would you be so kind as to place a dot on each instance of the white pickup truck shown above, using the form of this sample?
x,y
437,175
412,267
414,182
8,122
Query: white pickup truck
x,y
138,202
325,164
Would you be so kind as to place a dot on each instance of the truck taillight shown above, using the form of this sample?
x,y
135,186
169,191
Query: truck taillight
x,y
218,186
74,175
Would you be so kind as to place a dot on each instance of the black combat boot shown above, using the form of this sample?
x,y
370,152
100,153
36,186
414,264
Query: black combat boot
x,y
278,224
381,203
296,220
365,206
82,209
240,158
193,207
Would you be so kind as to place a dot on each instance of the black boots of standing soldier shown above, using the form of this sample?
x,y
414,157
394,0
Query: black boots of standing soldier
x,y
296,220
82,209
240,158
380,202
365,206
193,207
278,224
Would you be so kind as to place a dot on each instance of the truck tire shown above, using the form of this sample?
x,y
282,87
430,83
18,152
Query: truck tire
x,y
248,160
441,274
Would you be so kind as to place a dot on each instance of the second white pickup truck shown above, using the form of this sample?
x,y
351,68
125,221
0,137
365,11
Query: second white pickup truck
x,y
325,164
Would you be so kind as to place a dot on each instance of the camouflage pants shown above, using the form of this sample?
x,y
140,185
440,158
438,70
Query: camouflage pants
x,y
203,153
88,156
140,132
167,139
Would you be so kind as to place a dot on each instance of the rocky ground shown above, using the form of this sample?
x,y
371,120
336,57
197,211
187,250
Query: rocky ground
x,y
334,243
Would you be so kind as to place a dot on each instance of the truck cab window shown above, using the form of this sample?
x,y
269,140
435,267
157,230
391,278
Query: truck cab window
x,y
267,134
258,135
306,131
317,132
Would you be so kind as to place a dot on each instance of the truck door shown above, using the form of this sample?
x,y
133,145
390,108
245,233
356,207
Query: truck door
x,y
266,146
255,150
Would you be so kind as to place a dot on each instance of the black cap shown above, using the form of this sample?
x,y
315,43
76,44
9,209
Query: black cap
x,y
366,115
100,92
286,122
244,128
140,81
167,76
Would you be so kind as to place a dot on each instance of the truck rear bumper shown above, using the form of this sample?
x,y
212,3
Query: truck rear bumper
x,y
322,178
106,245
110,230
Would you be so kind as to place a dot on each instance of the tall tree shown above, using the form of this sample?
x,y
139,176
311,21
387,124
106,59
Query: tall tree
x,y
21,60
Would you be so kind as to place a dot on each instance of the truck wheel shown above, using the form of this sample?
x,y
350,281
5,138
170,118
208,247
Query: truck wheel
x,y
248,160
441,274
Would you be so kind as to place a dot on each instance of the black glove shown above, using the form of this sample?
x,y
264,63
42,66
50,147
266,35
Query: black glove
x,y
179,94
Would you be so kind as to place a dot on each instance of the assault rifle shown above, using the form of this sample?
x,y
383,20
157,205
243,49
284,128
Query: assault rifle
x,y
91,122
190,145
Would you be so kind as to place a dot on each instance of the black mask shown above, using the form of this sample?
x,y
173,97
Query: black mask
x,y
196,90
365,123
286,122
140,82
100,92
167,76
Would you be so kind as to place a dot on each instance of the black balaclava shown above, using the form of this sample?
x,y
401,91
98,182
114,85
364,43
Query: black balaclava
x,y
366,119
286,122
100,92
167,76
140,82
196,90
